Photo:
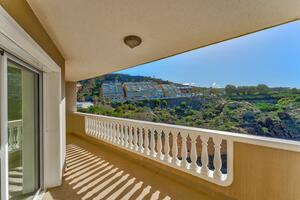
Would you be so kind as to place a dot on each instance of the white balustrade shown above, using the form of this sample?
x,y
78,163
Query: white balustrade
x,y
162,143
14,135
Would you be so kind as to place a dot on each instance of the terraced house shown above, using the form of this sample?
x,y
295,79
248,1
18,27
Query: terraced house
x,y
50,151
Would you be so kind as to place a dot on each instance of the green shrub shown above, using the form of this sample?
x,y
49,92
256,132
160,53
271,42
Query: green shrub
x,y
267,107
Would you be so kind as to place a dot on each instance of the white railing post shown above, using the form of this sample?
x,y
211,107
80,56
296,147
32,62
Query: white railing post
x,y
86,123
10,139
184,162
97,128
135,138
204,155
108,131
174,149
146,150
141,141
159,145
91,126
104,130
167,147
130,137
122,135
114,133
19,136
152,143
126,135
217,157
193,153
118,134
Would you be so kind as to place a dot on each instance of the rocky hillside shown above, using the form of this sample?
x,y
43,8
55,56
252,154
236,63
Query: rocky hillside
x,y
256,110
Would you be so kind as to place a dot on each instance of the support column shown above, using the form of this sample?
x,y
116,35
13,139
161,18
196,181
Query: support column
x,y
71,99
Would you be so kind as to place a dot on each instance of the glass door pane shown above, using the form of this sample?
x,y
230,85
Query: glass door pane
x,y
23,129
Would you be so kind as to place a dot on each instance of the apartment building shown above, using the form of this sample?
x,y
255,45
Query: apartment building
x,y
112,91
186,90
170,90
142,90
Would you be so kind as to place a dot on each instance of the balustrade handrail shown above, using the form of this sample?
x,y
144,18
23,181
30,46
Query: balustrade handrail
x,y
276,143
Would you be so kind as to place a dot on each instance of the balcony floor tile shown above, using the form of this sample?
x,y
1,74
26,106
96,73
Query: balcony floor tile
x,y
94,172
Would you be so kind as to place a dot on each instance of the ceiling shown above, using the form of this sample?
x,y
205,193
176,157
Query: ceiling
x,y
90,33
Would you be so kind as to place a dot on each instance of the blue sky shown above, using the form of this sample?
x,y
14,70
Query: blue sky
x,y
269,57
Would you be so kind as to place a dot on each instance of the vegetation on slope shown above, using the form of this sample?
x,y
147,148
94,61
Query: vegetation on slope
x,y
257,110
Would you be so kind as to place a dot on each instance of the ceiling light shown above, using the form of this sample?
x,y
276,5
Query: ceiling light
x,y
132,41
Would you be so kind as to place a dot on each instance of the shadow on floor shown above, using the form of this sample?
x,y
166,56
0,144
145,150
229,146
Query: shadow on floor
x,y
95,173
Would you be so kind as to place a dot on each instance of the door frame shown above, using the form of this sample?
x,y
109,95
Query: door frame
x,y
40,141
15,41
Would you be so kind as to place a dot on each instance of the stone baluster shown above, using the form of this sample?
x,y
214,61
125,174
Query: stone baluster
x,y
19,136
193,153
152,143
86,125
217,158
93,127
204,155
10,139
126,136
135,138
159,145
141,140
175,149
122,135
97,128
184,153
101,129
104,130
167,147
118,133
114,140
146,150
130,138
110,131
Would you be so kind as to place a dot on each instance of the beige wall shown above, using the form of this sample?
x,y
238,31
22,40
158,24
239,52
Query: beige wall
x,y
24,16
71,99
260,173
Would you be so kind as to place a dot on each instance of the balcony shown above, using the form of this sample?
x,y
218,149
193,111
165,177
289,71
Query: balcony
x,y
114,158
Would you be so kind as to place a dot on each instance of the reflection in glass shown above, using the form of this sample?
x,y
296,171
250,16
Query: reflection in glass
x,y
22,132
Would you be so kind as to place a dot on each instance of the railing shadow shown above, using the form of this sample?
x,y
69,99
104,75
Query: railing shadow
x,y
87,176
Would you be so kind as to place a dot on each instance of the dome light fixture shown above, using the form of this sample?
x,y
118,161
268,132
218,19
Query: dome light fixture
x,y
132,41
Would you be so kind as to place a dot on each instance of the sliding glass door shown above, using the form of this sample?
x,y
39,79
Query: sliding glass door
x,y
22,156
